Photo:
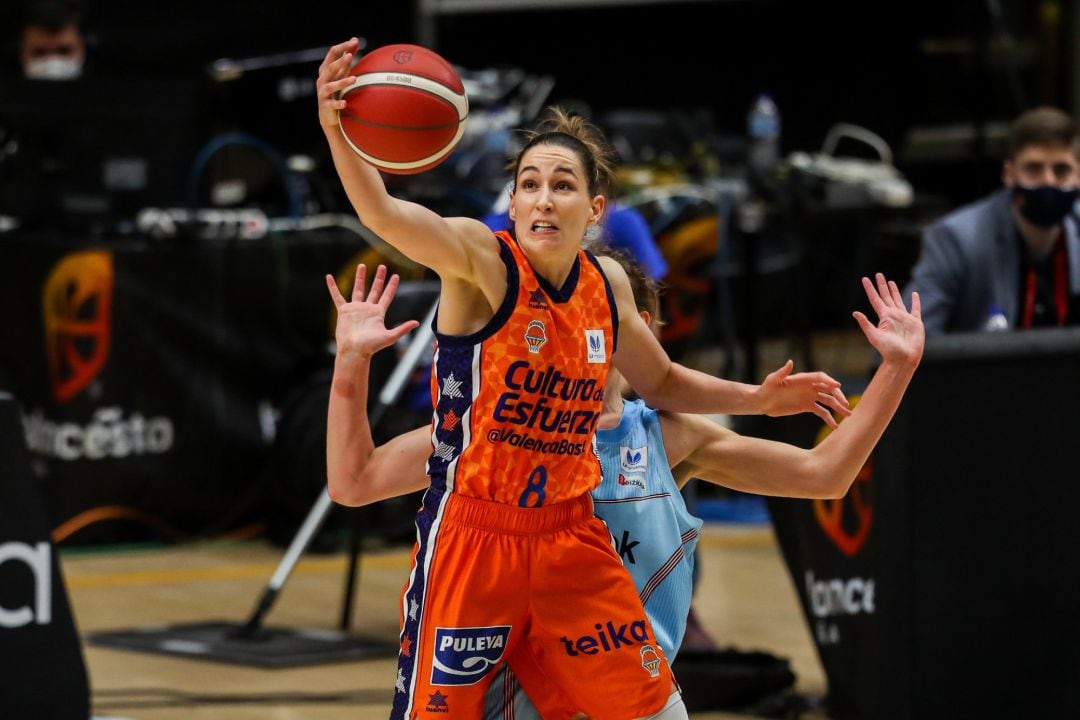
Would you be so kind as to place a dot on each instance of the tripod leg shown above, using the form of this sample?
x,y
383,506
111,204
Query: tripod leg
x,y
312,523
352,577
422,340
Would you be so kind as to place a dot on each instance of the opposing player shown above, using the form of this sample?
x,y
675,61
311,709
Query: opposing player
x,y
511,565
639,497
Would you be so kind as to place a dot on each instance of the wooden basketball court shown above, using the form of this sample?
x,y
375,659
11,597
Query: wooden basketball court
x,y
745,599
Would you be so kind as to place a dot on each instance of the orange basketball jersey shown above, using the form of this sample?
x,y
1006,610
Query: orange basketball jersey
x,y
516,403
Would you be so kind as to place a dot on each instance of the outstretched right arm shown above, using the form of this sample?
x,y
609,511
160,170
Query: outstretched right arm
x,y
455,248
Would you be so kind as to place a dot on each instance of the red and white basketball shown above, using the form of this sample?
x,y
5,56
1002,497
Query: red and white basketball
x,y
406,109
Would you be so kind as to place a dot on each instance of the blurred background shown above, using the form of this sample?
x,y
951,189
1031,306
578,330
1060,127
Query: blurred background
x,y
168,211
188,146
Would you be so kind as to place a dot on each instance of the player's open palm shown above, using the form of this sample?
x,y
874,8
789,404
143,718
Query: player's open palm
x,y
361,322
899,335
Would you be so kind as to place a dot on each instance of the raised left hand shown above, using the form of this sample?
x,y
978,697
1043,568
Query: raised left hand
x,y
361,323
899,334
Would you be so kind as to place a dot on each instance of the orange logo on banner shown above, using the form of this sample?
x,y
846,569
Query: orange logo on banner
x,y
830,513
77,305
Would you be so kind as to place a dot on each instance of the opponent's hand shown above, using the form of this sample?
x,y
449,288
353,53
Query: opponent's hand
x,y
333,78
361,324
783,393
899,334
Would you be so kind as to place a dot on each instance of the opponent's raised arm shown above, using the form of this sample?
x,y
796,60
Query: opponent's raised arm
x,y
444,245
357,472
700,448
666,385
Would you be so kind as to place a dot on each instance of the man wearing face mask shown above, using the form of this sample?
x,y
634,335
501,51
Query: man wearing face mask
x,y
1010,260
51,43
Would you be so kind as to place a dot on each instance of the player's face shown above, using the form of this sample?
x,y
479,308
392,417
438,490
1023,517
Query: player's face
x,y
551,206
1038,165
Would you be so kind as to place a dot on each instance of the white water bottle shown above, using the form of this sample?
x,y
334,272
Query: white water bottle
x,y
763,129
996,320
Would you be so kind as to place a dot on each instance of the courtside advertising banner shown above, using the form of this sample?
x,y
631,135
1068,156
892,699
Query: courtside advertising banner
x,y
42,674
149,374
830,549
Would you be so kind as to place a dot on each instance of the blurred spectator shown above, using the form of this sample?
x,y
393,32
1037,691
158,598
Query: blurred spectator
x,y
51,42
1010,260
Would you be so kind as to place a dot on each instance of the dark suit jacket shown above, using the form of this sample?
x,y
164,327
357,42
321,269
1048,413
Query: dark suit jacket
x,y
970,263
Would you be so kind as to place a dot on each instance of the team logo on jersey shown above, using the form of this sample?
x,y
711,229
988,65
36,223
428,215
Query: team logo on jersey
x,y
451,387
537,300
595,340
634,460
650,660
535,336
437,703
464,655
637,481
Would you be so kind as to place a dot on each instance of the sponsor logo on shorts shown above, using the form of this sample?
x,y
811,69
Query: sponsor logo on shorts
x,y
608,637
437,703
650,660
595,340
634,460
463,656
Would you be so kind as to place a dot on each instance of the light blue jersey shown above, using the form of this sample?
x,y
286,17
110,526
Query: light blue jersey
x,y
651,529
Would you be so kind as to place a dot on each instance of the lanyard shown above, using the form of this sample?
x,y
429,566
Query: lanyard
x,y
1061,288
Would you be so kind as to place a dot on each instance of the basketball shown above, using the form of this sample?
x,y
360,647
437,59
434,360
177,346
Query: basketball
x,y
405,111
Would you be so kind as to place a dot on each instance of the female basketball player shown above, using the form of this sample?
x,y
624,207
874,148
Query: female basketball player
x,y
639,497
510,563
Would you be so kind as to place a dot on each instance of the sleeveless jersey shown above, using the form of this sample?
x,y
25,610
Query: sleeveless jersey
x,y
517,402
654,533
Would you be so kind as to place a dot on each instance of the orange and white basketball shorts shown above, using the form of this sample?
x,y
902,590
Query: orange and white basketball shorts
x,y
541,589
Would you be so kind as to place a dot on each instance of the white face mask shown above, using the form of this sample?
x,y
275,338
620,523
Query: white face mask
x,y
53,67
